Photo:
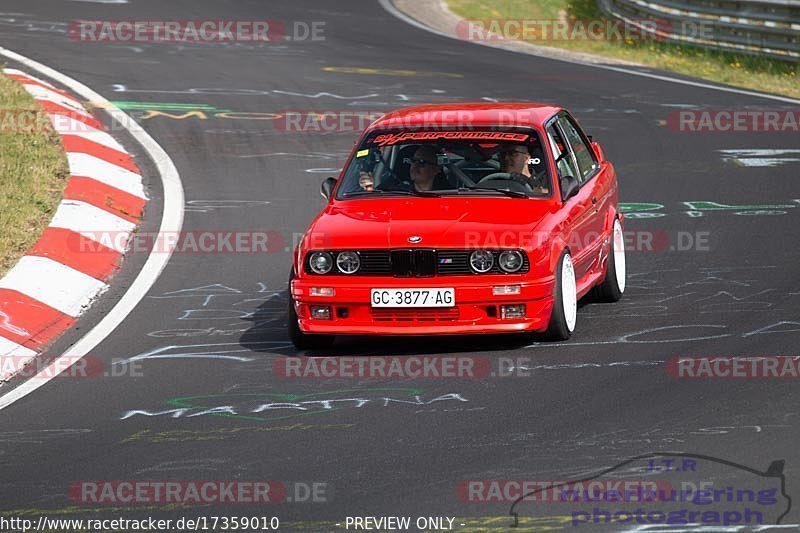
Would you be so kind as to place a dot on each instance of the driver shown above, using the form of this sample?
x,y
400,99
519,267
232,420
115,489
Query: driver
x,y
515,159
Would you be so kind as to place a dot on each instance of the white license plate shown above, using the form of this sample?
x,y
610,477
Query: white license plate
x,y
413,297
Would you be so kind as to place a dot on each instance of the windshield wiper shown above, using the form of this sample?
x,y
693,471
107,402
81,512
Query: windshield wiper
x,y
425,194
512,194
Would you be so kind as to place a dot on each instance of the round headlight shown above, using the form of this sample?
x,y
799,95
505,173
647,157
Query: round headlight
x,y
481,261
510,261
348,262
320,262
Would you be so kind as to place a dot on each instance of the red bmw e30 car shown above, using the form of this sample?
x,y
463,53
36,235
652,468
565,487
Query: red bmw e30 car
x,y
460,218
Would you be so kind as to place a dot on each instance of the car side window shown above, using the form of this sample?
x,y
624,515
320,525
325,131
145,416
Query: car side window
x,y
583,154
565,163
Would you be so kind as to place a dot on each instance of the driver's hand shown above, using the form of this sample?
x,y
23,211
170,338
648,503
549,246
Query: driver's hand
x,y
522,179
539,184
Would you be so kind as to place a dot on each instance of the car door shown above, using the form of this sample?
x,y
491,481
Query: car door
x,y
579,211
594,189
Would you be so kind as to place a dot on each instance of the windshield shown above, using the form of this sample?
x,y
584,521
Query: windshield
x,y
448,163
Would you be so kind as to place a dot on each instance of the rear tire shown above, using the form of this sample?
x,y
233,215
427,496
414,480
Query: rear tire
x,y
614,284
565,300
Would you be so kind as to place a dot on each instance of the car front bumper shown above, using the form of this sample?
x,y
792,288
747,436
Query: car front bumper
x,y
476,309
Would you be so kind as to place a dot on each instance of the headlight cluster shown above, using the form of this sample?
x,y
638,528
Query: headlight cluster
x,y
482,261
349,262
511,260
346,262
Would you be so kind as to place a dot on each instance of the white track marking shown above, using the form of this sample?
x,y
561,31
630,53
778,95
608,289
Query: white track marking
x,y
578,366
93,223
518,47
65,125
52,283
13,357
40,93
25,74
758,157
388,6
171,222
8,347
11,365
759,162
760,152
81,164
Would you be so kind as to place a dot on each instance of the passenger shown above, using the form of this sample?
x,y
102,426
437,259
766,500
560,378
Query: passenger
x,y
425,174
366,181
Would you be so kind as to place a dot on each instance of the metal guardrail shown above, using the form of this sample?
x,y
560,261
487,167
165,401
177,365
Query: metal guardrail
x,y
769,28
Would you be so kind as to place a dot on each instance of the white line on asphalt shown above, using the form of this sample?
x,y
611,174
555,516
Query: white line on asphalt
x,y
518,47
171,222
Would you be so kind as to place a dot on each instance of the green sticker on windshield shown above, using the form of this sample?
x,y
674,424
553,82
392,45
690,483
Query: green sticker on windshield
x,y
362,153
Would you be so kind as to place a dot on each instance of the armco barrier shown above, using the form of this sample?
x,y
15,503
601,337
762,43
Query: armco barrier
x,y
769,28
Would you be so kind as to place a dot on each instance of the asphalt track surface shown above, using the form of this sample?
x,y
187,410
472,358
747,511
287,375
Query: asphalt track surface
x,y
585,405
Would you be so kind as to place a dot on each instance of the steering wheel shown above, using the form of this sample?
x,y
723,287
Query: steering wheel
x,y
510,176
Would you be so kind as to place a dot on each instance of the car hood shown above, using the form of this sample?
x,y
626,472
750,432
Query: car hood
x,y
439,222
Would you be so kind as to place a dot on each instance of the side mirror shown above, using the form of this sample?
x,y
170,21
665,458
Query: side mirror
x,y
569,187
327,187
601,155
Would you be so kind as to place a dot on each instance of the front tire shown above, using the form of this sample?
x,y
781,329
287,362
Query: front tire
x,y
614,284
565,300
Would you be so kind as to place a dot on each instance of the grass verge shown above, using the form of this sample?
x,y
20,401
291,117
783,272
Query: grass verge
x,y
750,72
33,172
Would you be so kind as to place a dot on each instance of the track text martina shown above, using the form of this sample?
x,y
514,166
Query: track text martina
x,y
388,523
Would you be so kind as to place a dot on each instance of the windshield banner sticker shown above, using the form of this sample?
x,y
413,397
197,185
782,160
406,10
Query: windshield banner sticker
x,y
395,138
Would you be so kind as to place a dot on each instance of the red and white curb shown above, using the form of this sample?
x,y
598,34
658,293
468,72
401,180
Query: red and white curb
x,y
56,281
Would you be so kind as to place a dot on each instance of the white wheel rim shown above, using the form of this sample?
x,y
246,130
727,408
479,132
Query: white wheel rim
x,y
619,256
569,300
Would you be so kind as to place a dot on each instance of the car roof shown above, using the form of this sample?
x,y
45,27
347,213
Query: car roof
x,y
512,114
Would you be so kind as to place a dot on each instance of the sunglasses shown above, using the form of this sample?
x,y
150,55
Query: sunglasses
x,y
509,152
415,161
